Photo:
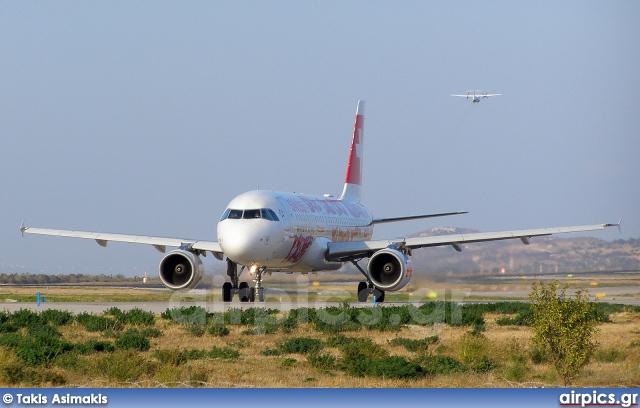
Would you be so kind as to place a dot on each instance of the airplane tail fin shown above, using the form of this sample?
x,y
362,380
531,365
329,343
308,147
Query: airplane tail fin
x,y
353,178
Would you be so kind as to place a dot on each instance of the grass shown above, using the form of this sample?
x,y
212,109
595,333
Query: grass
x,y
145,351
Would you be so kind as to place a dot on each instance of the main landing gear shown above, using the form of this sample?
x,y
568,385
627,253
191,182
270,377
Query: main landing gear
x,y
366,288
242,289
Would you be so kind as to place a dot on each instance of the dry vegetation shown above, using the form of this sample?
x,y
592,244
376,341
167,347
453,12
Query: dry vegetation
x,y
241,361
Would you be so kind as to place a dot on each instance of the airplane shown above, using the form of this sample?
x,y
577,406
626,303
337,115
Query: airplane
x,y
266,231
475,98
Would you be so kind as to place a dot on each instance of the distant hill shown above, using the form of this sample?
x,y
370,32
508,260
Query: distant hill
x,y
544,254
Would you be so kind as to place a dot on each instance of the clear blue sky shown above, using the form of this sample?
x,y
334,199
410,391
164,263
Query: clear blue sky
x,y
149,117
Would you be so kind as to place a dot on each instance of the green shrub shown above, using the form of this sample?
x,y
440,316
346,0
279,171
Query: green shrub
x,y
39,328
93,323
198,378
218,330
24,317
538,355
225,353
610,355
515,352
255,316
72,362
261,329
524,318
240,343
340,340
271,352
196,330
6,327
132,339
334,320
563,328
289,323
288,362
173,357
135,316
435,364
248,332
11,339
57,317
516,372
300,345
150,332
42,350
97,346
473,351
186,315
124,365
361,365
414,345
394,367
18,374
362,347
322,361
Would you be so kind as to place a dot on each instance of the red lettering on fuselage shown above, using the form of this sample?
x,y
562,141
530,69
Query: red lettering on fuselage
x,y
299,247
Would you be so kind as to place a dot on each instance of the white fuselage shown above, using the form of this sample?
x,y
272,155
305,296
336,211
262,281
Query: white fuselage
x,y
284,231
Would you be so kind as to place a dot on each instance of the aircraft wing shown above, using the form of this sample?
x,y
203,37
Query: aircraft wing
x,y
414,217
487,95
464,96
341,251
102,238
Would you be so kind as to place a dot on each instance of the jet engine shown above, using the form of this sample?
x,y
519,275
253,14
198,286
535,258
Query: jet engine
x,y
180,270
389,269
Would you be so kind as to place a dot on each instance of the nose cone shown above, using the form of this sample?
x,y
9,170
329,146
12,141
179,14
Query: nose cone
x,y
238,240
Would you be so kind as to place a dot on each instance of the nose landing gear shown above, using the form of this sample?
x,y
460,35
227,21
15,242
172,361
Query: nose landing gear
x,y
257,280
242,289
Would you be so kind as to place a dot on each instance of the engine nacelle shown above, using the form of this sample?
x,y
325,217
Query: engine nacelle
x,y
389,269
180,270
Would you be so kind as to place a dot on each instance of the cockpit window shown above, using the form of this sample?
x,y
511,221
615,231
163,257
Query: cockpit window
x,y
268,214
248,214
235,214
264,213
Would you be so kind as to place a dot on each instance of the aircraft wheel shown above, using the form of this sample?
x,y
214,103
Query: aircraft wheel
x,y
252,294
363,292
226,292
243,292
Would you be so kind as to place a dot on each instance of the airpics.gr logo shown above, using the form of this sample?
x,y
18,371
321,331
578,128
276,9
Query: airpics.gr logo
x,y
576,399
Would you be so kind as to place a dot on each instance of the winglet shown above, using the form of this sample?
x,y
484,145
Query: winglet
x,y
22,228
616,225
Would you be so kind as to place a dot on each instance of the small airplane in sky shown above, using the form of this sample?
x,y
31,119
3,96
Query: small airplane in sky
x,y
267,231
475,97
